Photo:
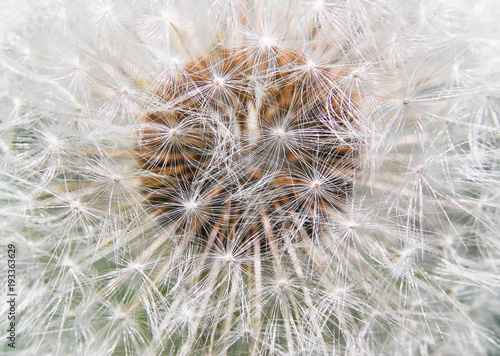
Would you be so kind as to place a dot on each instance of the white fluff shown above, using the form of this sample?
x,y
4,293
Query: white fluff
x,y
408,266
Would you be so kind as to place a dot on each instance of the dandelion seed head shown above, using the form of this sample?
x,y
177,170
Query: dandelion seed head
x,y
264,178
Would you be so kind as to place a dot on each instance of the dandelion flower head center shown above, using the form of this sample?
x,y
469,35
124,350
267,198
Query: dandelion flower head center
x,y
247,142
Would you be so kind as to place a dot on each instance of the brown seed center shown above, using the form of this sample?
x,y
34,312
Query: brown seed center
x,y
249,183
